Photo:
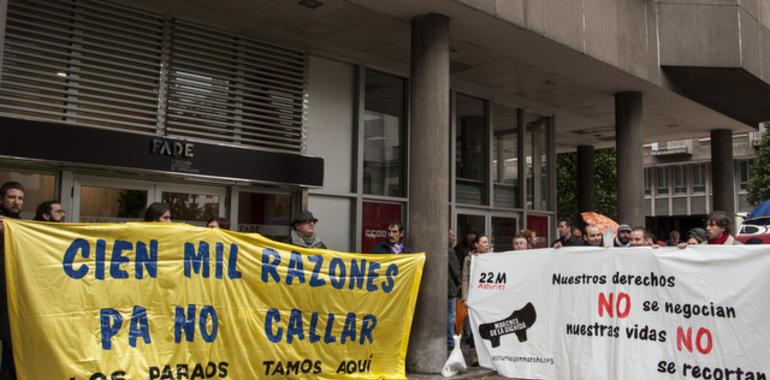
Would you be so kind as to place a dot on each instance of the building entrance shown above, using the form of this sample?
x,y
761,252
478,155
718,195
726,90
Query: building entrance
x,y
98,199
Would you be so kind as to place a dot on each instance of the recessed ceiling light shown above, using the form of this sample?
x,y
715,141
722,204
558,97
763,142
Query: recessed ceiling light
x,y
312,4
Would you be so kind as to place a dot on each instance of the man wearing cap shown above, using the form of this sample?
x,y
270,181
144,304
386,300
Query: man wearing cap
x,y
303,231
624,235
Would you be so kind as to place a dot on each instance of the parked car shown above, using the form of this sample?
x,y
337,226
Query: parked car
x,y
754,231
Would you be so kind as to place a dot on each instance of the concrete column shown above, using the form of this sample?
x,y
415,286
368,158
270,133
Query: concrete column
x,y
586,168
428,181
629,119
722,171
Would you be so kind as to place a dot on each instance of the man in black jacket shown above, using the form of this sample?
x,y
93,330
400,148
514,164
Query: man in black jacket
x,y
11,202
566,238
453,291
395,242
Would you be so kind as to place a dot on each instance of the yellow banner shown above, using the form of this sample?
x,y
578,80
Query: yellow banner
x,y
174,301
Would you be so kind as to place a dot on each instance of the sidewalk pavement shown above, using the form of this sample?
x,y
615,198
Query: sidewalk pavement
x,y
473,372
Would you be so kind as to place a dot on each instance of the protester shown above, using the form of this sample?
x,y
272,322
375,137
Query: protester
x,y
455,281
531,237
303,231
718,229
673,239
395,241
11,204
624,235
218,222
480,246
50,211
157,212
566,238
577,232
466,244
520,243
639,238
695,236
593,236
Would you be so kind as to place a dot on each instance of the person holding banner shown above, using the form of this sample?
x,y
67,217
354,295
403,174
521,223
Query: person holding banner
x,y
718,229
454,278
50,211
566,236
218,222
520,243
593,236
480,246
395,242
157,212
303,231
11,203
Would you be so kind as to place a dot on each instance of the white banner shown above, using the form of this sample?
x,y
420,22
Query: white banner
x,y
623,313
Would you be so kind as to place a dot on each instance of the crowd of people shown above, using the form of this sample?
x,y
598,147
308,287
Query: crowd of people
x,y
302,233
717,231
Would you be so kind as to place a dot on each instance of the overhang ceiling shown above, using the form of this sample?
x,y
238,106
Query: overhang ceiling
x,y
490,58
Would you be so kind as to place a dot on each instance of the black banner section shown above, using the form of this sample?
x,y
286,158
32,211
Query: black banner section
x,y
85,145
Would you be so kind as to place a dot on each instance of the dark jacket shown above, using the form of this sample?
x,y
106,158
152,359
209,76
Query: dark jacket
x,y
455,274
462,250
384,247
7,370
571,242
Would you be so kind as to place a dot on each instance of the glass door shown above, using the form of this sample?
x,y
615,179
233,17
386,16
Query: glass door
x,y
499,227
504,229
117,200
191,204
103,200
468,220
264,212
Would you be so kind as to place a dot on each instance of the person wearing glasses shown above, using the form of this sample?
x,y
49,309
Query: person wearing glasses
x,y
303,231
50,211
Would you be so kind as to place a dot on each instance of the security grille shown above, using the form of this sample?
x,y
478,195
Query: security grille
x,y
83,63
93,63
229,88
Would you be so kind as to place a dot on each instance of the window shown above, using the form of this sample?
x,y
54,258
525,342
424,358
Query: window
x,y
384,127
471,150
505,158
38,188
698,178
661,180
647,181
536,164
744,173
679,179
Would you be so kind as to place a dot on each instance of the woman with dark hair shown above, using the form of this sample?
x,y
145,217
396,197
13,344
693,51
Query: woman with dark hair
x,y
157,212
480,246
218,222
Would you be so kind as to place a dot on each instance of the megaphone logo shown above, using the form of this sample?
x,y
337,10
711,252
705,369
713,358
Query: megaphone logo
x,y
518,323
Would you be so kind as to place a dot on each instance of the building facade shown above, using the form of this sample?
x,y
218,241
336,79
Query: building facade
x,y
439,113
677,181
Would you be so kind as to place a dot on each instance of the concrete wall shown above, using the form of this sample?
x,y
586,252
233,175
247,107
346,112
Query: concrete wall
x,y
330,134
716,33
625,33
619,32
